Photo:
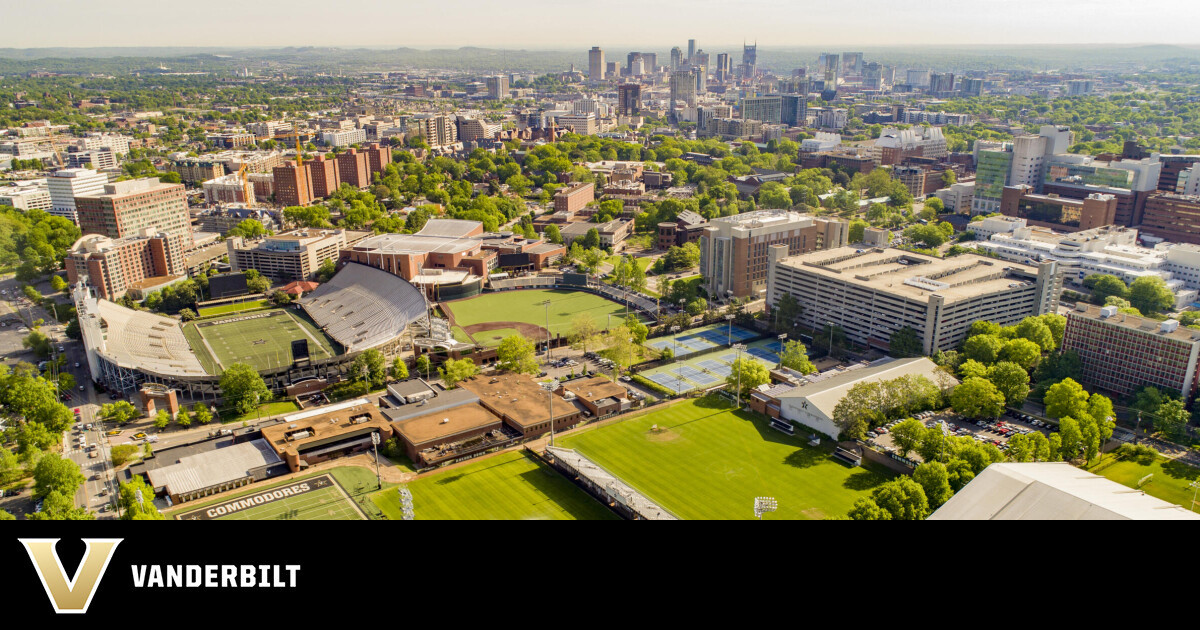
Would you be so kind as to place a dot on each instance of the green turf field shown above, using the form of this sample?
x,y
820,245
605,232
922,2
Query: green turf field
x,y
1169,483
323,504
525,306
262,342
493,337
233,307
510,486
709,462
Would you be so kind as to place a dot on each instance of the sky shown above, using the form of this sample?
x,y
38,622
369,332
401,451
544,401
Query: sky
x,y
569,24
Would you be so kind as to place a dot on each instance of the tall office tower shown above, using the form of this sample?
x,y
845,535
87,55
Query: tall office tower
x,y
651,60
68,183
970,87
794,108
917,78
941,84
126,208
768,109
852,64
630,59
724,67
497,87
629,99
639,67
612,69
799,73
676,58
829,71
872,76
699,63
691,49
749,60
596,64
683,88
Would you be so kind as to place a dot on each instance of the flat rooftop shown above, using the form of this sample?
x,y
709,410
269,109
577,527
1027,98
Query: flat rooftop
x,y
322,424
596,388
518,398
416,244
446,423
914,276
1133,322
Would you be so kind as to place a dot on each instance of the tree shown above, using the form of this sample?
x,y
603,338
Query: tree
x,y
1171,419
935,481
187,314
747,374
1011,380
1066,398
326,270
58,505
858,229
162,419
281,298
57,283
256,282
1071,436
907,435
370,366
1023,352
972,368
56,474
454,371
866,509
795,357
983,348
903,498
983,327
906,343
516,354
422,365
37,341
248,228
1057,325
399,369
122,453
636,328
201,414
619,347
977,398
136,499
696,306
553,234
787,311
1020,449
5,516
583,332
1104,285
243,388
1150,295
1035,330
590,240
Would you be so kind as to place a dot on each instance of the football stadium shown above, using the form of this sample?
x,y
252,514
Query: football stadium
x,y
358,309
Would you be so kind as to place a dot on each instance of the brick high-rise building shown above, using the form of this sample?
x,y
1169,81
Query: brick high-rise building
x,y
629,99
126,208
1173,217
354,168
574,197
325,176
293,184
115,265
377,157
1119,352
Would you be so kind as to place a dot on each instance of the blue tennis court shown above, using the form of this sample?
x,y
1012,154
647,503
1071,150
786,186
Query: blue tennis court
x,y
687,372
704,380
716,367
659,344
718,337
763,354
728,357
775,346
695,344
671,382
741,334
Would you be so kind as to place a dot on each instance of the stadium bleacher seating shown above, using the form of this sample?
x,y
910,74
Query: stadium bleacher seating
x,y
145,341
362,307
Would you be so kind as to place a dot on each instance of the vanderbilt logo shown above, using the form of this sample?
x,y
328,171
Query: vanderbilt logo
x,y
75,595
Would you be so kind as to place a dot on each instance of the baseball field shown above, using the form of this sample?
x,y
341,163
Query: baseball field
x,y
706,461
489,316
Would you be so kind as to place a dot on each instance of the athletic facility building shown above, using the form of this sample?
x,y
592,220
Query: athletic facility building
x,y
310,437
360,308
192,472
872,293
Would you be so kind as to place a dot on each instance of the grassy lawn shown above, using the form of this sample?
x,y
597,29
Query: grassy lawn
x,y
493,337
709,462
510,486
644,263
525,306
268,409
233,308
1170,481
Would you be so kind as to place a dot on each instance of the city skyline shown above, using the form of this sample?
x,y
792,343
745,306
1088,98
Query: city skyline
x,y
1021,22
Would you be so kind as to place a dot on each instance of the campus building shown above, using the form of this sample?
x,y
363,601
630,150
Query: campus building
x,y
1060,213
1173,217
126,208
446,257
323,433
64,185
733,250
1120,352
292,256
113,266
574,197
872,293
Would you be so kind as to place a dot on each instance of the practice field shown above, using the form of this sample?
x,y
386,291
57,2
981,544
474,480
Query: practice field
x,y
510,486
707,461
262,339
317,498
1169,483
508,310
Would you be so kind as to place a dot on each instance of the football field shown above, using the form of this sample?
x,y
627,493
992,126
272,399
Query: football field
x,y
317,498
262,339
706,461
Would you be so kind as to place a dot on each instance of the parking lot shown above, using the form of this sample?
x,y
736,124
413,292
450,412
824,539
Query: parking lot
x,y
994,432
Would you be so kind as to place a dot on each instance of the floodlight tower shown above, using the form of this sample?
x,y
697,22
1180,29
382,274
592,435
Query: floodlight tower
x,y
762,505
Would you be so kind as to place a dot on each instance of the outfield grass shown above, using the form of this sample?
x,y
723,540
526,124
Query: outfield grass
x,y
709,462
509,486
263,342
525,306
235,307
1170,481
492,338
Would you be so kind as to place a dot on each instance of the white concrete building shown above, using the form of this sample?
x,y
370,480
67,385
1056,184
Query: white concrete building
x,y
957,198
29,196
67,184
990,226
344,137
823,141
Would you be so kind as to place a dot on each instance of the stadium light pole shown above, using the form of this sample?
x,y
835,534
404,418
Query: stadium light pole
x,y
1195,486
547,305
737,362
375,447
675,356
782,341
729,318
763,505
550,386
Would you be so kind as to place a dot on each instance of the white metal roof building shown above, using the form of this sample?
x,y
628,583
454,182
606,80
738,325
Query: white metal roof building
x,y
1052,491
214,471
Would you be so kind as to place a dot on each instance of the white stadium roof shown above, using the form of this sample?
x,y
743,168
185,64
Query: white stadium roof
x,y
362,307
